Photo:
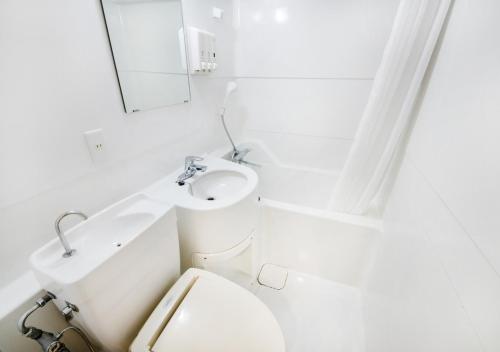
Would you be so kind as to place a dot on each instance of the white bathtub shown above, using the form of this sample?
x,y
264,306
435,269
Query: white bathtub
x,y
299,232
292,184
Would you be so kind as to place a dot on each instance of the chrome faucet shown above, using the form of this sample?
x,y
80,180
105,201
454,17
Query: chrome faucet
x,y
68,251
238,155
190,169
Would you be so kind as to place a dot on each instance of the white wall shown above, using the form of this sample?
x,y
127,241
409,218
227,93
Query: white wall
x,y
436,284
58,81
305,70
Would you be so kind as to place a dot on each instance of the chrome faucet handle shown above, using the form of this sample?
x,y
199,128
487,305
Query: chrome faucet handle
x,y
190,160
240,154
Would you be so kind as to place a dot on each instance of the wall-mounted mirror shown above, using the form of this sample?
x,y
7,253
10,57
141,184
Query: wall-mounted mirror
x,y
148,44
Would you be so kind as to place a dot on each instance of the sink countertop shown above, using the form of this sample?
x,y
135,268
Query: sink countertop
x,y
113,228
167,189
103,234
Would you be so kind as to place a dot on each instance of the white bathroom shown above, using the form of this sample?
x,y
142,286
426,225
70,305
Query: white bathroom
x,y
250,176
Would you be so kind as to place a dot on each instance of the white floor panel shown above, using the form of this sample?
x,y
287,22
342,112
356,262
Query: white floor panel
x,y
316,315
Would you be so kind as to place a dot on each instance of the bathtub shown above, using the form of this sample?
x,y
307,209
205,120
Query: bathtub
x,y
299,232
291,184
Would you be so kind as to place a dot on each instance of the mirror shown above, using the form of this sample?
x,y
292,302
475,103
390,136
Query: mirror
x,y
148,46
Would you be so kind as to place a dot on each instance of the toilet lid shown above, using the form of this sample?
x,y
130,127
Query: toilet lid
x,y
210,314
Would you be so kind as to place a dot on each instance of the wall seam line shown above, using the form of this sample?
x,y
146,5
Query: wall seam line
x,y
299,134
455,290
426,180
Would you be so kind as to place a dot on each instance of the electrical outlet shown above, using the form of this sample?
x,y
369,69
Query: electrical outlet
x,y
96,146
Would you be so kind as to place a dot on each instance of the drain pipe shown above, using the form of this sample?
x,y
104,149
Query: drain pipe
x,y
48,341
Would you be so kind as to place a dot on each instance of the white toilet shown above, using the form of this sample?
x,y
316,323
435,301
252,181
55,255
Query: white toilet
x,y
205,312
200,312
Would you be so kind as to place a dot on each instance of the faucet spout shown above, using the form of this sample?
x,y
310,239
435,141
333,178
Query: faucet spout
x,y
190,169
68,251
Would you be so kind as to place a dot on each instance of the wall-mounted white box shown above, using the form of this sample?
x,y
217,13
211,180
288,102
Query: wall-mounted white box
x,y
202,51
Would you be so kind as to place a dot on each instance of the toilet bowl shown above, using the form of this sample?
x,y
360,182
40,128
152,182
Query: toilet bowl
x,y
205,312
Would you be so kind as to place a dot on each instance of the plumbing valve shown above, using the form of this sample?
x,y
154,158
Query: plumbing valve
x,y
68,310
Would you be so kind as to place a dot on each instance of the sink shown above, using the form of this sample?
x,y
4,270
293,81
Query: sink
x,y
98,239
216,209
224,184
218,185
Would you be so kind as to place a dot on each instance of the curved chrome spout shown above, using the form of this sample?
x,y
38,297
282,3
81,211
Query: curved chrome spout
x,y
68,251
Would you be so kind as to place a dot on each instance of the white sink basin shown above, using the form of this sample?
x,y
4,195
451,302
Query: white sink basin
x,y
216,209
223,185
217,185
98,239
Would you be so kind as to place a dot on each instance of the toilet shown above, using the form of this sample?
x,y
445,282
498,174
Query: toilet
x,y
137,301
205,312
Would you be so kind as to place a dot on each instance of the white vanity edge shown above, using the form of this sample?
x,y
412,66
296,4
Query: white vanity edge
x,y
18,292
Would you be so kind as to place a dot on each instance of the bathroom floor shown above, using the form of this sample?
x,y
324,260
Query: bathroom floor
x,y
316,315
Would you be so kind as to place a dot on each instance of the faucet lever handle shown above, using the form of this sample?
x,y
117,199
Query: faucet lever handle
x,y
190,160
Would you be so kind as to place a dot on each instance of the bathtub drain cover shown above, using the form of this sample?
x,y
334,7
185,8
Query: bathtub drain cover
x,y
273,276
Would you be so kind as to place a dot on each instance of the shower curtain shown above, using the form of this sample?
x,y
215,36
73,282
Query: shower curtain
x,y
387,115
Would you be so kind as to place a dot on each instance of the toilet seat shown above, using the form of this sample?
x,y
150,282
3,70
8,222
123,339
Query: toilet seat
x,y
205,312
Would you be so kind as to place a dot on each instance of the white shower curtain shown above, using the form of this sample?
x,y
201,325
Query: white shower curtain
x,y
386,118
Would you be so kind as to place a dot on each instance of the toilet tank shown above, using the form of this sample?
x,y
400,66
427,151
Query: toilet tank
x,y
115,299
